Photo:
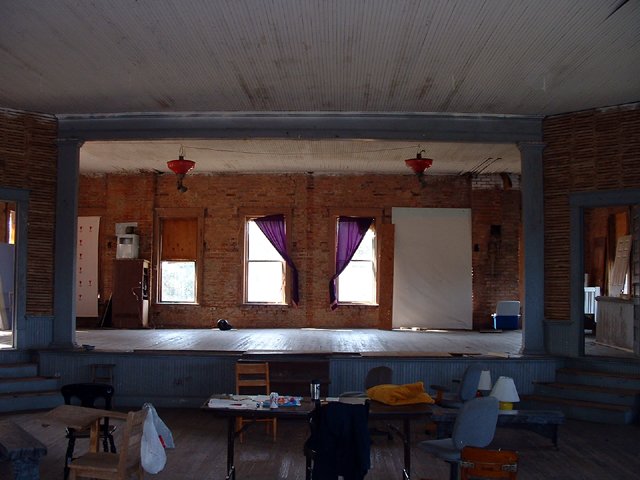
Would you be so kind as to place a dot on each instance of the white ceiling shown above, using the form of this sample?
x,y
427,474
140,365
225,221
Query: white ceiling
x,y
526,57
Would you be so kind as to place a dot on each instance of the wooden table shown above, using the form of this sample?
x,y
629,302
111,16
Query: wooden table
x,y
80,418
377,411
543,422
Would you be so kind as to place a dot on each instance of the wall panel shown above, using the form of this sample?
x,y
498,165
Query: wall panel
x,y
591,151
28,159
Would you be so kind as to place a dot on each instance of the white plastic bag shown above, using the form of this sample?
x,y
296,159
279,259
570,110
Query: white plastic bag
x,y
152,452
163,431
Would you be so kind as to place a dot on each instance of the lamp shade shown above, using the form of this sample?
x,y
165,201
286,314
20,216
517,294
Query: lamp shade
x,y
181,166
418,164
505,391
485,381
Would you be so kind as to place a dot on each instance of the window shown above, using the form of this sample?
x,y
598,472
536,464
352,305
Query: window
x,y
265,268
12,227
179,247
355,261
357,282
178,284
8,223
270,274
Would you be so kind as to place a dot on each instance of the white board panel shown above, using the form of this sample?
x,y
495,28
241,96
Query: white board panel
x,y
87,267
432,268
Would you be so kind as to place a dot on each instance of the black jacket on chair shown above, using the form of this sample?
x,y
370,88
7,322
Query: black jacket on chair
x,y
339,441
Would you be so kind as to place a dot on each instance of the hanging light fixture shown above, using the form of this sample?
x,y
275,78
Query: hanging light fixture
x,y
181,167
419,165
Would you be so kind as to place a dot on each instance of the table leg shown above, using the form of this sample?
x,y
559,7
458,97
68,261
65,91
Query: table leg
x,y
554,435
231,438
405,434
407,448
444,428
94,436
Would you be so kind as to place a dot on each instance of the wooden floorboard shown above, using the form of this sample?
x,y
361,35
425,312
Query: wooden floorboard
x,y
587,451
507,343
367,341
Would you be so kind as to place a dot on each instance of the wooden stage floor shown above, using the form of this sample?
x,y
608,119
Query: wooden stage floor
x,y
362,341
507,343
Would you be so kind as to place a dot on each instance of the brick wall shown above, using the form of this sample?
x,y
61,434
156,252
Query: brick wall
x,y
311,198
496,266
588,151
28,158
115,199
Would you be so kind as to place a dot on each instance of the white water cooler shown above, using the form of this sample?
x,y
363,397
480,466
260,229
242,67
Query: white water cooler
x,y
128,244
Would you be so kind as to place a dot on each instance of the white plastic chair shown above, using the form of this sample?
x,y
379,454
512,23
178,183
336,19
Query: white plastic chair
x,y
475,426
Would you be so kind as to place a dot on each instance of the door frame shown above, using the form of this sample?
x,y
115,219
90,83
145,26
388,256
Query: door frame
x,y
578,202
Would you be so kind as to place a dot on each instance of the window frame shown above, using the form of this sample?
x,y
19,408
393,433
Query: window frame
x,y
178,213
377,215
246,216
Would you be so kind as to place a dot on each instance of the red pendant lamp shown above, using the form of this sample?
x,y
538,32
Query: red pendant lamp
x,y
419,165
181,167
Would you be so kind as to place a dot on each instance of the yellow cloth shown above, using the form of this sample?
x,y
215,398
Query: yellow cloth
x,y
400,394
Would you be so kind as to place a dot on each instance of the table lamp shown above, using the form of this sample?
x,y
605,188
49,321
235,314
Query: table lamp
x,y
505,391
484,385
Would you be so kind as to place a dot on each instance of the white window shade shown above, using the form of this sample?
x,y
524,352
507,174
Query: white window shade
x,y
432,268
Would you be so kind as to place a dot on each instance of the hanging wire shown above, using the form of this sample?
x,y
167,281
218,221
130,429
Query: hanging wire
x,y
248,152
482,166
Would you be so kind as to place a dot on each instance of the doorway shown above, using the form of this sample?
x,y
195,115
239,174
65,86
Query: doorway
x,y
607,281
7,269
13,265
598,221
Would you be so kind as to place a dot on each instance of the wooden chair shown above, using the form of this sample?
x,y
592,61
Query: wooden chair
x,y
253,378
102,373
114,466
375,376
87,394
484,463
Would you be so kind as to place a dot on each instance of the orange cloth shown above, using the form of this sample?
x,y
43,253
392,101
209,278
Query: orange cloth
x,y
400,394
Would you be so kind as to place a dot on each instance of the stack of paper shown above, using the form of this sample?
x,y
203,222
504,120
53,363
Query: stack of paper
x,y
245,404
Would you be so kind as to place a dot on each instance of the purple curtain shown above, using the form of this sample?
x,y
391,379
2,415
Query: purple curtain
x,y
351,231
273,228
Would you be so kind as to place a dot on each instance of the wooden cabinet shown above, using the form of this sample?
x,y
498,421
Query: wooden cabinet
x,y
130,299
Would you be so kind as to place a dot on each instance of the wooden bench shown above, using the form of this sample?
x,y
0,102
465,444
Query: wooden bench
x,y
22,449
542,422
